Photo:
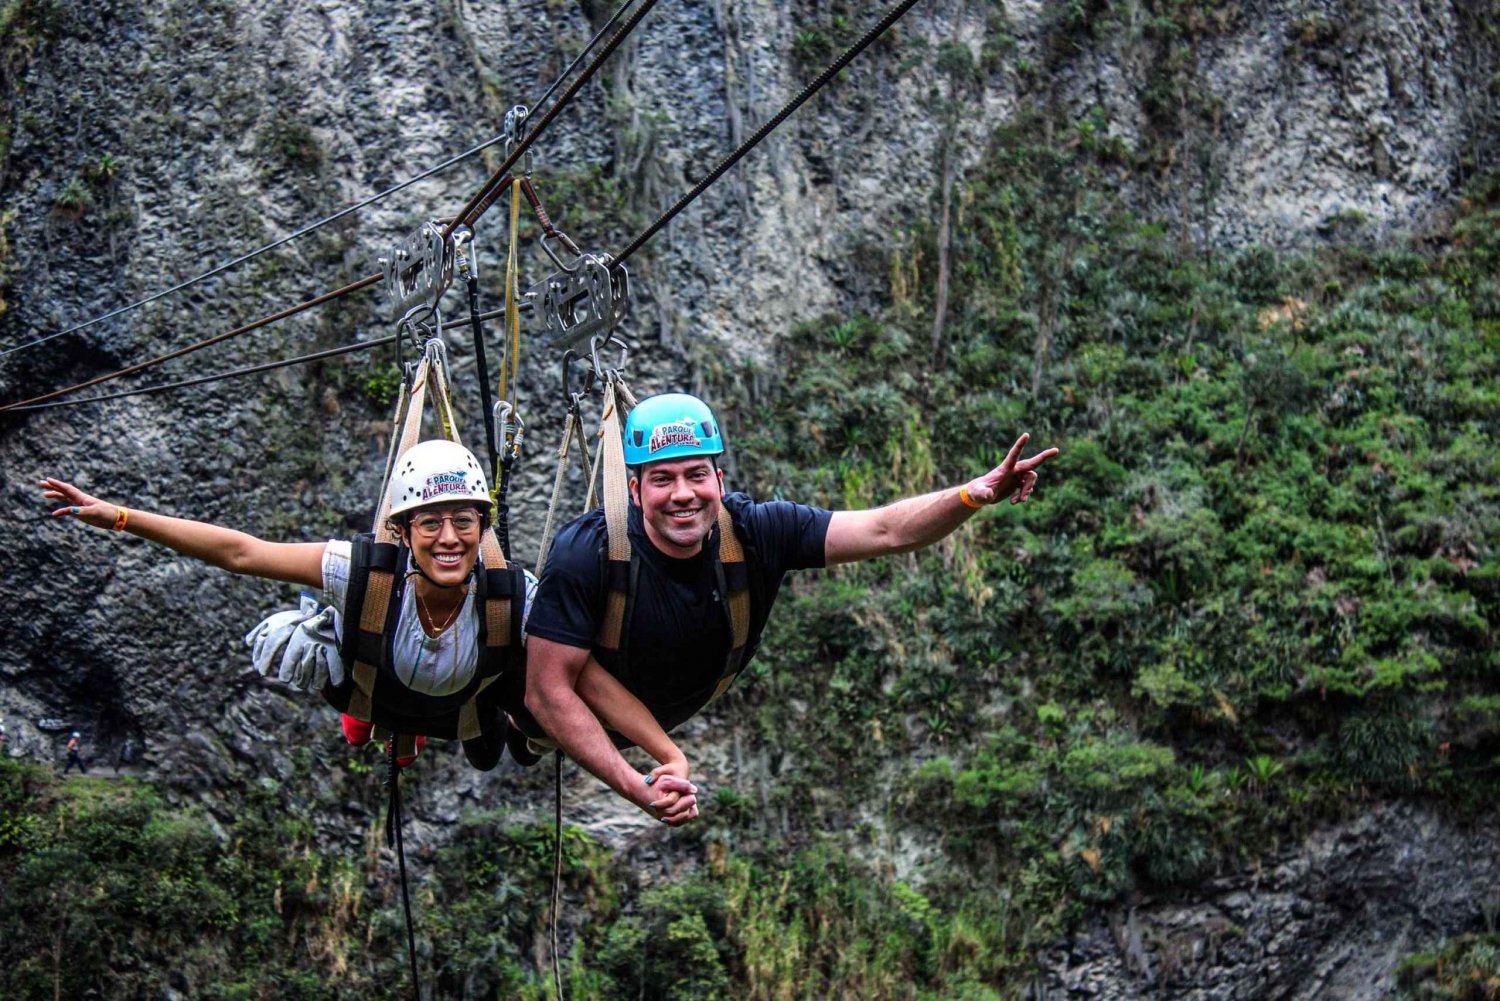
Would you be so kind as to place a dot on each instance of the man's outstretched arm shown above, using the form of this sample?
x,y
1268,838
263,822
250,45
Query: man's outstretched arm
x,y
555,674
920,521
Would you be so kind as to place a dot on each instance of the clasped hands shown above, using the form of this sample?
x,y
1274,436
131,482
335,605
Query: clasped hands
x,y
668,795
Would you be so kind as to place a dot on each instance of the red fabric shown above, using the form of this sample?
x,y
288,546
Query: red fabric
x,y
357,732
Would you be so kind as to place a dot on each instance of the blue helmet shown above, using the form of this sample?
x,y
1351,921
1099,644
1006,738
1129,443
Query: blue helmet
x,y
671,426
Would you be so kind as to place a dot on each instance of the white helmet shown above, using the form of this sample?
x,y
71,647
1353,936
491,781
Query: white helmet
x,y
438,471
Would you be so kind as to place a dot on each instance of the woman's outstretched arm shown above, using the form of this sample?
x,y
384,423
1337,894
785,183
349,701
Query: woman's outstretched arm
x,y
238,552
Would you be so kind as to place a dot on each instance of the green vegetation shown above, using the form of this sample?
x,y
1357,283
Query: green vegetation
x,y
284,139
1467,969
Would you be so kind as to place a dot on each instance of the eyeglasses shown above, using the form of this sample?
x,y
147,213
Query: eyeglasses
x,y
429,525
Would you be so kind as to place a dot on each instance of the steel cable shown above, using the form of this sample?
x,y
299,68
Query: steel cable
x,y
891,17
470,214
327,220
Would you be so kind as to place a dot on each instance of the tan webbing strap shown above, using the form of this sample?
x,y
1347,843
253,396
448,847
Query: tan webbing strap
x,y
616,514
468,721
410,428
443,404
398,421
730,551
406,743
570,430
405,428
360,706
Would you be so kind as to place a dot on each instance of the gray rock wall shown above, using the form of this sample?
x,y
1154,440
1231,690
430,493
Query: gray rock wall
x,y
1331,919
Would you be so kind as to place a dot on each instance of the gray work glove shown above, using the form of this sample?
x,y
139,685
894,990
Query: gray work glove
x,y
270,635
312,658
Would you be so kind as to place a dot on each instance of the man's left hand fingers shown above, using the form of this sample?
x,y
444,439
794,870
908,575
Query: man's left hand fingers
x,y
684,810
1036,460
1015,451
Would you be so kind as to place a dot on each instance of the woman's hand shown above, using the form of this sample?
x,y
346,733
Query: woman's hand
x,y
92,510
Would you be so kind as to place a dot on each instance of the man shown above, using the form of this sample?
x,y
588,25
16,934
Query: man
x,y
677,634
73,756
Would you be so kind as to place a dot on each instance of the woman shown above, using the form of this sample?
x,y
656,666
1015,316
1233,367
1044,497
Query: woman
x,y
440,508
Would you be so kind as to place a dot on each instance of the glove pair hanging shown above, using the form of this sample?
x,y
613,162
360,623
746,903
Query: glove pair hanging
x,y
302,643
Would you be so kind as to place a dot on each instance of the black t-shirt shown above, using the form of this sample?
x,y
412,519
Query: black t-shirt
x,y
678,635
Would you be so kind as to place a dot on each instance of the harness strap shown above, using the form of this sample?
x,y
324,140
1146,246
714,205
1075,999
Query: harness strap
x,y
617,520
572,430
376,589
733,577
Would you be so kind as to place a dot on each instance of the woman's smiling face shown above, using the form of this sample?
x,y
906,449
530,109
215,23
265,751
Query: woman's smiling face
x,y
444,541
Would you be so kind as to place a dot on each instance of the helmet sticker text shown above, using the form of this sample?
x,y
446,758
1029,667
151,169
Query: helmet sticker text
x,y
439,484
682,432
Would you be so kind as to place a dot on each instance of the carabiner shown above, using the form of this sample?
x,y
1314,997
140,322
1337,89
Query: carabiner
x,y
585,386
510,429
515,132
463,262
434,349
595,345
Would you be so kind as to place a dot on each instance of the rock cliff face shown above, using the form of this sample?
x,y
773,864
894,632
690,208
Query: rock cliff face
x,y
1331,919
150,141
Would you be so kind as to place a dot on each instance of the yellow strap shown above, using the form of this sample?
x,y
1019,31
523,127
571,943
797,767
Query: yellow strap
x,y
511,361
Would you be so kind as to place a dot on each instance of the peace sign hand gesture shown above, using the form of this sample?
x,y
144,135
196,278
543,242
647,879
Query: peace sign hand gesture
x,y
1014,477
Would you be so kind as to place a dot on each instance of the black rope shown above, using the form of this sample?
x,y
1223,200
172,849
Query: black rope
x,y
557,757
205,379
393,839
263,321
828,74
482,363
327,220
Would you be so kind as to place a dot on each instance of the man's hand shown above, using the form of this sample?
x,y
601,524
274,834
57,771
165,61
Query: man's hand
x,y
1014,477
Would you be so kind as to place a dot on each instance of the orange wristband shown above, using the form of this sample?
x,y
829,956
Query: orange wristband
x,y
121,519
963,495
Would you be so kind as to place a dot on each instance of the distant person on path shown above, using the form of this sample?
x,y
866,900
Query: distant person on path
x,y
73,756
126,755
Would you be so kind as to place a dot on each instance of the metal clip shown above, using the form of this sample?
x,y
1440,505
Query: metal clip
x,y
580,303
585,387
601,372
418,270
466,263
515,131
434,349
510,430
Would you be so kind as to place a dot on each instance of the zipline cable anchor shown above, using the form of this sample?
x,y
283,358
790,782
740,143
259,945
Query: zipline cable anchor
x,y
580,301
417,271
